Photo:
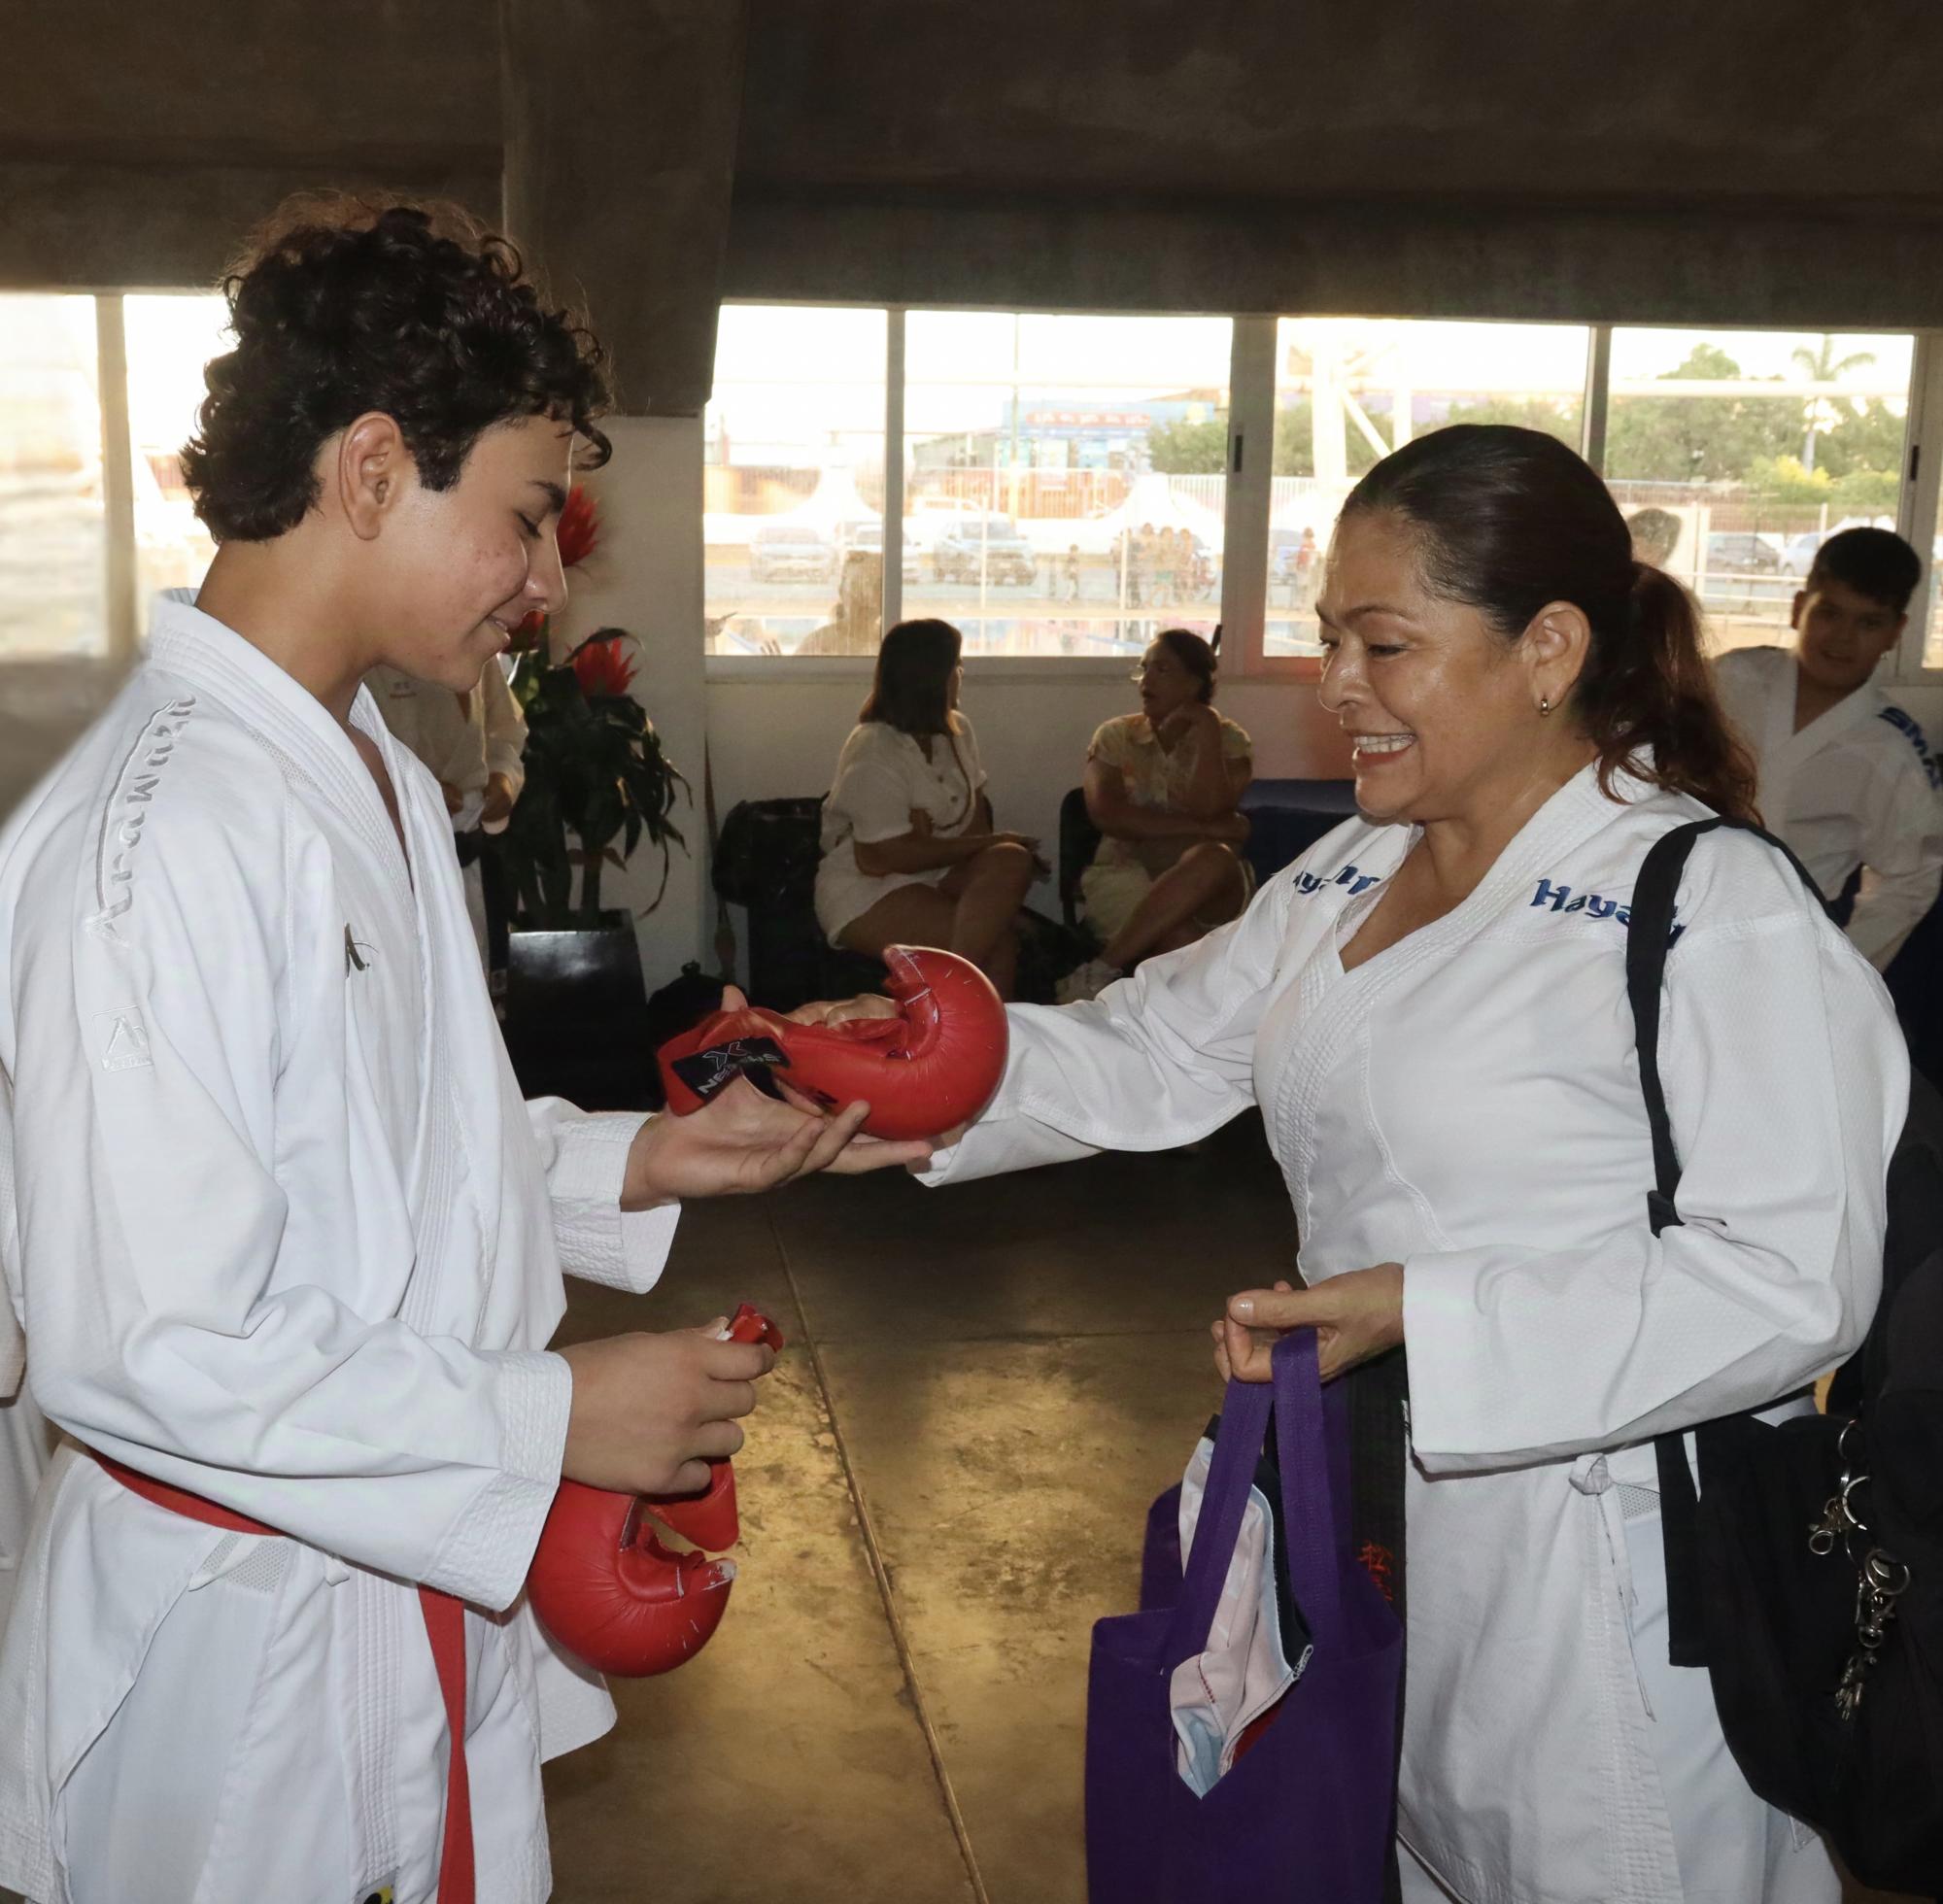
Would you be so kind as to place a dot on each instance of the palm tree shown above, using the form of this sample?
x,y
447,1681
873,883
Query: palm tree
x,y
1823,368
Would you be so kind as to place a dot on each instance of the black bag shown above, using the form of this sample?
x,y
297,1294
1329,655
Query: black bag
x,y
767,860
767,852
1823,1634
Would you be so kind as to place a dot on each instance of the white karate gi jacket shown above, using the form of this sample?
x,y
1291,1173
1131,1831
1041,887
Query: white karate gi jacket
x,y
1857,786
1467,1103
286,1237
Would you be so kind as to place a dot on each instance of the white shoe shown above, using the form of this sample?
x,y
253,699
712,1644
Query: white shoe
x,y
1087,981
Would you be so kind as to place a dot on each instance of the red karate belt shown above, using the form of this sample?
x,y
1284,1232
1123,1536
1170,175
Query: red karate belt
x,y
444,1629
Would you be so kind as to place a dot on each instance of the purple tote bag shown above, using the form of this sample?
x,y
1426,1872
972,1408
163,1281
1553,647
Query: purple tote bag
x,y
1309,1812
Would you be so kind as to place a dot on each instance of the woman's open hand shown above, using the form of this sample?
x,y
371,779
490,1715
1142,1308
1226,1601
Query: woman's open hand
x,y
1356,1316
833,1012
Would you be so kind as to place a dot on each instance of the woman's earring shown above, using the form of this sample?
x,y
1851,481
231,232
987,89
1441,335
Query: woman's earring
x,y
1545,703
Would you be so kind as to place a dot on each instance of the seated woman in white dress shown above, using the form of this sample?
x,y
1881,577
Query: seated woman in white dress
x,y
1163,786
909,857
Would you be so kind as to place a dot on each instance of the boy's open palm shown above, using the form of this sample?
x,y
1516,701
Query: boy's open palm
x,y
743,1140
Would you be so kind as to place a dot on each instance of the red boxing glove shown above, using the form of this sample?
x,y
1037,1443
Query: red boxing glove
x,y
932,1066
607,1589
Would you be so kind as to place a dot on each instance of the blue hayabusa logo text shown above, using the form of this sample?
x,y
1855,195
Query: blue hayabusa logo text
x,y
1914,734
1562,899
1357,882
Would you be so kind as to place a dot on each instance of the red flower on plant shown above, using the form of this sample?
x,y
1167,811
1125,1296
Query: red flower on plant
x,y
602,666
529,634
579,531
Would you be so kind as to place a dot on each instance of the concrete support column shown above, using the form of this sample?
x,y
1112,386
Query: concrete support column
x,y
621,127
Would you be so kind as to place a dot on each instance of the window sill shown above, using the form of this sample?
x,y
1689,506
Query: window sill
x,y
776,669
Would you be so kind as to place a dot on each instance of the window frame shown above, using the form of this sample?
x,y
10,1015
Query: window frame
x,y
984,668
1244,535
1247,612
120,588
1919,499
1247,499
1250,495
1906,667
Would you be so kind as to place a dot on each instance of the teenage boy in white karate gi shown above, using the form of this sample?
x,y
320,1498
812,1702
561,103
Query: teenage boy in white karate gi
x,y
283,1237
1847,777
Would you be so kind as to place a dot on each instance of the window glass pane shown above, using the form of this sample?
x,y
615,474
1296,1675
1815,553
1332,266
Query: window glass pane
x,y
793,482
52,569
1349,390
169,341
1066,477
1736,453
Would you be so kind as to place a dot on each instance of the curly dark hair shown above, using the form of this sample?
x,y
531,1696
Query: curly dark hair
x,y
342,306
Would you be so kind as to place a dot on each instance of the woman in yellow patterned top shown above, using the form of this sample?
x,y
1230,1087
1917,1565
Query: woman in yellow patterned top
x,y
1163,786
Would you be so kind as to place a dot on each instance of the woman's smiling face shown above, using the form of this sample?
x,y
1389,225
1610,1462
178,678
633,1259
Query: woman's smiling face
x,y
1439,707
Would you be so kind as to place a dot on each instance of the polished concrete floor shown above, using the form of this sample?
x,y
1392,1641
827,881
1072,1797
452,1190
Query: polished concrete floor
x,y
944,1488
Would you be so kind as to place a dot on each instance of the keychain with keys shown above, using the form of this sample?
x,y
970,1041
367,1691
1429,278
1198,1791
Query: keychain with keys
x,y
1885,1579
1838,1519
1834,1523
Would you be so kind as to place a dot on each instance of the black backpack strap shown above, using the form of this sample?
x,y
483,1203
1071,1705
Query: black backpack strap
x,y
1650,932
1649,929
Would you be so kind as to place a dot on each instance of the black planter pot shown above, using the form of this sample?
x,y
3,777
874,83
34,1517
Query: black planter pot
x,y
577,1023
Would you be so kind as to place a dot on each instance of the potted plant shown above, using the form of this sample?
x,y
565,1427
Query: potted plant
x,y
598,783
596,773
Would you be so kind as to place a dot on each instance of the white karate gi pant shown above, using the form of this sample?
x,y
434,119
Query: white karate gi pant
x,y
151,1805
1733,1846
27,1443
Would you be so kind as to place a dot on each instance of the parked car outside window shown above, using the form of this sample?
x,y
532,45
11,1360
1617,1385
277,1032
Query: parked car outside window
x,y
987,545
791,552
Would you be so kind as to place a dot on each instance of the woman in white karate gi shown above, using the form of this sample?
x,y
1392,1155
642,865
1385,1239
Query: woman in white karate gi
x,y
1430,1009
284,1237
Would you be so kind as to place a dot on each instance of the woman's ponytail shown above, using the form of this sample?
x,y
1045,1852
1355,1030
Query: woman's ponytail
x,y
1646,701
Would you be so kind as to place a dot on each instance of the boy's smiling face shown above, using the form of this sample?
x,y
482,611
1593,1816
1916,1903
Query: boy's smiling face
x,y
457,569
1842,634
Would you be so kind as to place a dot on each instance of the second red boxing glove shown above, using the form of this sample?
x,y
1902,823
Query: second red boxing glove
x,y
608,1590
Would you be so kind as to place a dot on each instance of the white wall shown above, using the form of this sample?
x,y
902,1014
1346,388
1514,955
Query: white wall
x,y
775,728
646,577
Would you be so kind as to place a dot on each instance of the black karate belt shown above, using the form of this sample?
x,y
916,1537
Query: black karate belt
x,y
708,1074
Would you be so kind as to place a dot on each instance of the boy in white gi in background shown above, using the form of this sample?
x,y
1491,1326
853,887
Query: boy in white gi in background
x,y
284,1237
1845,776
475,745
